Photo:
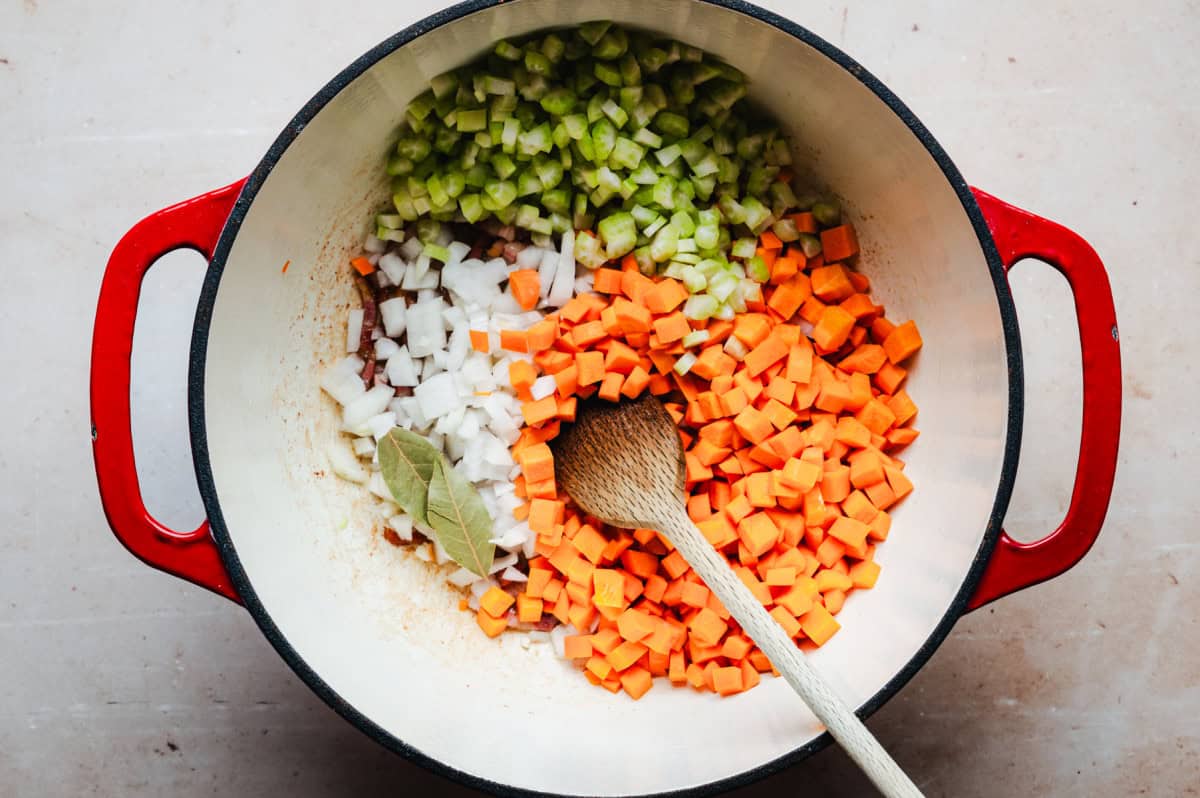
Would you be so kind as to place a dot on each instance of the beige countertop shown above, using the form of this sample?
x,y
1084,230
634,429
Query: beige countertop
x,y
120,681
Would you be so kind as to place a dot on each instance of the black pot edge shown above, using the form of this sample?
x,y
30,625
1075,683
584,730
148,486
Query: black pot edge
x,y
313,680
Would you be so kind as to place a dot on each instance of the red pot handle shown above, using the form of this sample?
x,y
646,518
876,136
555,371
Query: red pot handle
x,y
1019,234
193,224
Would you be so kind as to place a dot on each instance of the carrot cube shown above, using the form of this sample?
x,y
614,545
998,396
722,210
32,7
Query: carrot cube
x,y
839,243
819,625
833,328
610,388
636,682
495,602
491,627
765,354
707,627
759,533
849,531
606,281
577,646
753,425
832,283
727,681
786,620
529,609
666,295
539,411
902,342
625,655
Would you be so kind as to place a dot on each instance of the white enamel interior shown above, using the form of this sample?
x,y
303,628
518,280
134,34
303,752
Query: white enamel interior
x,y
382,631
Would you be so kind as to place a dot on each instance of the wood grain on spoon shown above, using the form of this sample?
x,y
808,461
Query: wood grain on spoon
x,y
623,463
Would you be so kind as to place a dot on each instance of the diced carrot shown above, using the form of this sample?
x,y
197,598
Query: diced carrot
x,y
707,627
361,265
876,417
514,340
591,367
833,328
583,335
751,328
577,646
521,376
771,350
899,482
727,681
606,281
868,358
759,533
479,340
610,387
665,296
525,287
620,358
495,602
787,620
636,682
492,627
753,425
539,411
529,609
889,377
902,342
839,243
866,468
790,294
768,240
672,327
625,655
819,625
541,336
849,531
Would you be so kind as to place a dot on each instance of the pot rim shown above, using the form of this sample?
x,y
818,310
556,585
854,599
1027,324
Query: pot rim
x,y
224,542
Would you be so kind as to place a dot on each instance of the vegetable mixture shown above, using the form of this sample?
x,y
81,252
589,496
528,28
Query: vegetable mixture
x,y
609,217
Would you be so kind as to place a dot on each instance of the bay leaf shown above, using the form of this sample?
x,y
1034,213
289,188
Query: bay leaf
x,y
407,462
460,519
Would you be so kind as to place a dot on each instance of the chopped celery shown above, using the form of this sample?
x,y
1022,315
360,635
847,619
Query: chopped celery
x,y
699,307
628,154
537,62
591,32
693,280
785,230
671,124
553,131
502,192
619,233
558,102
604,138
615,113
471,121
664,245
827,213
810,245
685,362
607,74
683,223
757,269
436,252
643,216
696,337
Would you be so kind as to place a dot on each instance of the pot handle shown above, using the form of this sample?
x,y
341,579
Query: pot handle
x,y
193,224
1019,234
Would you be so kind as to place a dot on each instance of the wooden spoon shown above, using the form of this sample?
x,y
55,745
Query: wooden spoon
x,y
623,463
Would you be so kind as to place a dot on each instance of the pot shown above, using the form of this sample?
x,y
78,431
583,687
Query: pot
x,y
363,624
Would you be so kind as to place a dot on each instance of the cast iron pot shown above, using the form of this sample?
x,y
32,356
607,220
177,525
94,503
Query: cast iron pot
x,y
375,632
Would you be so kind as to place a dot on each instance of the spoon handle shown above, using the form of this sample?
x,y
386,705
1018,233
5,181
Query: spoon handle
x,y
789,660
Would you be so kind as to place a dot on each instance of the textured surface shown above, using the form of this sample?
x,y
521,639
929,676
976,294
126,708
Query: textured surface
x,y
119,681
